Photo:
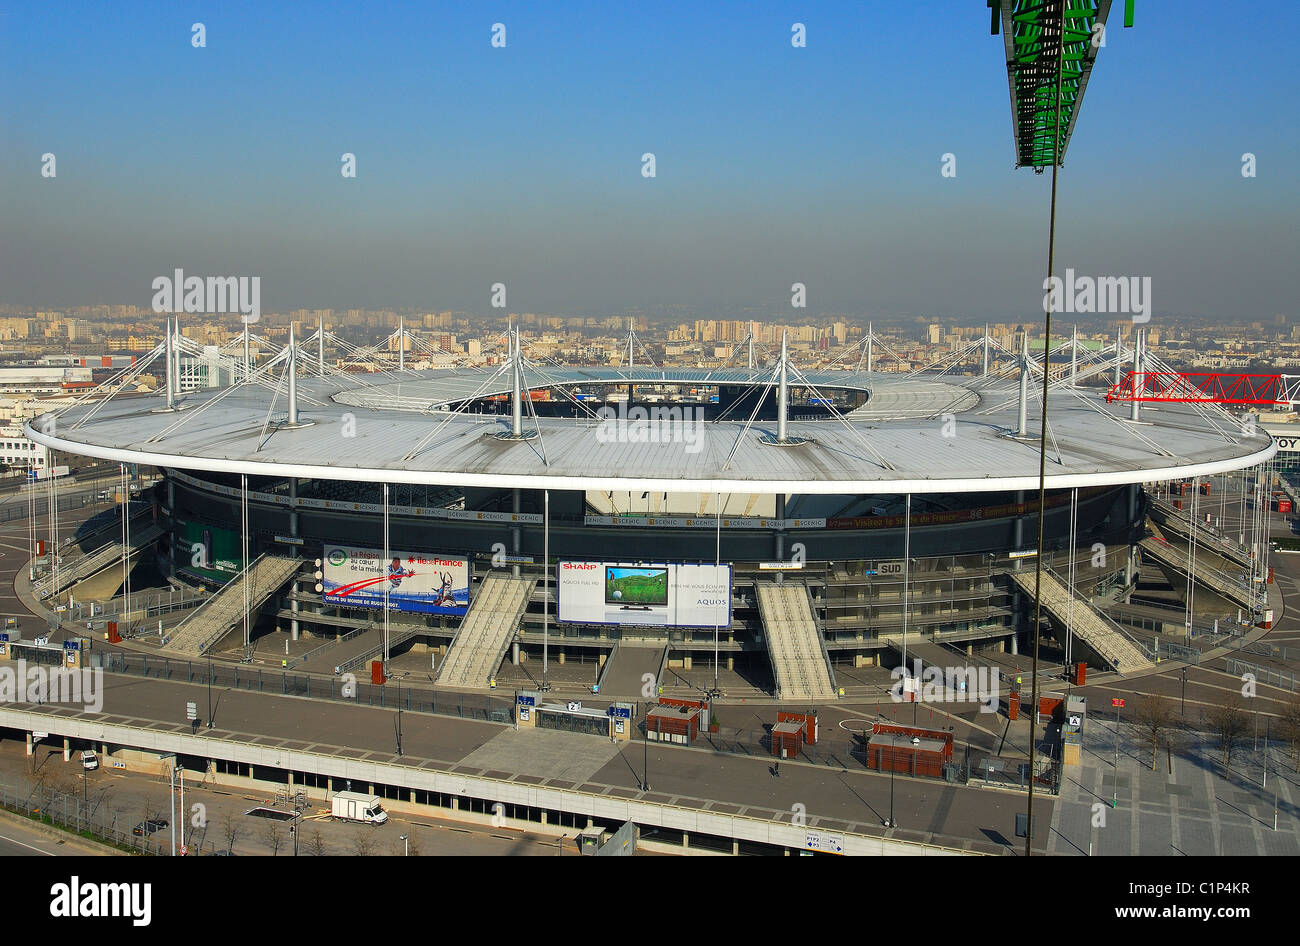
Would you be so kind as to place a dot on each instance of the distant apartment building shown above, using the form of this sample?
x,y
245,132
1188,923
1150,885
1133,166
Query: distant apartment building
x,y
210,370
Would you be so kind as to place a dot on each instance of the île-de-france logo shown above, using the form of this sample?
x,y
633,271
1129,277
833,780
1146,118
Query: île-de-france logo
x,y
338,557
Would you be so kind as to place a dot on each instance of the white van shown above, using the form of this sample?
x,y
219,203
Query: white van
x,y
357,806
89,761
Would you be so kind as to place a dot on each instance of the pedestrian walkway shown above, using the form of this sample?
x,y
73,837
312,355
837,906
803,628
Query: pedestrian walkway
x,y
1194,810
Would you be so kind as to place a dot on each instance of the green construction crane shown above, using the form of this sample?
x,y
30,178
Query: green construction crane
x,y
1037,57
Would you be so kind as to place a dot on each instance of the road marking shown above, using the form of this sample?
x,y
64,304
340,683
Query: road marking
x,y
5,837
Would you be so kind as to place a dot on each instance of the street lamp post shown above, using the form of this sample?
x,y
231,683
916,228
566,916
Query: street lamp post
x,y
891,823
406,845
645,755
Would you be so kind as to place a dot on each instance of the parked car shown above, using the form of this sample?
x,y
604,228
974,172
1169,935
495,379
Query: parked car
x,y
146,828
89,761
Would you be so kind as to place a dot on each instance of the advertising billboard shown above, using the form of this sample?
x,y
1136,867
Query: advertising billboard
x,y
657,595
208,551
423,582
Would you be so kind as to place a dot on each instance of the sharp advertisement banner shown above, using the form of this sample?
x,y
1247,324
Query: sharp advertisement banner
x,y
423,582
209,551
655,595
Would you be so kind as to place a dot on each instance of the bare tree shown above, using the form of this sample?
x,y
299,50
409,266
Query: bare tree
x,y
1228,722
231,831
271,835
414,847
362,845
316,844
1156,715
1290,725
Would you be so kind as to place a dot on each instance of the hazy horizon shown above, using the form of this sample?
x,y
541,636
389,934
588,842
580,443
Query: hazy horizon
x,y
522,165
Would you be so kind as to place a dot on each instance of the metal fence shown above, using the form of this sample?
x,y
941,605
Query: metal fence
x,y
15,510
498,709
1265,649
1283,681
83,815
143,606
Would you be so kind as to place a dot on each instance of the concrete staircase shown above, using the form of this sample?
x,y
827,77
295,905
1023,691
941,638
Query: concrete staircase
x,y
82,568
221,613
486,631
1084,623
1233,588
794,642
1176,522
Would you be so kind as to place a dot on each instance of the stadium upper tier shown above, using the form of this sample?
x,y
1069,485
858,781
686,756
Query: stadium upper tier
x,y
912,435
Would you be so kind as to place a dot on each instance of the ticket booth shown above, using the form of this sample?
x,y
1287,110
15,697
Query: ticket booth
x,y
526,703
807,720
76,653
621,722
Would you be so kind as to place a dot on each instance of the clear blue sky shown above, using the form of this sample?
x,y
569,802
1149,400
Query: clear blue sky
x,y
522,165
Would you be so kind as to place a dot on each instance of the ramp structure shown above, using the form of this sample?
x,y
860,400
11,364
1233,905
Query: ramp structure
x,y
1087,626
224,611
630,670
1173,521
794,642
91,564
1170,559
486,631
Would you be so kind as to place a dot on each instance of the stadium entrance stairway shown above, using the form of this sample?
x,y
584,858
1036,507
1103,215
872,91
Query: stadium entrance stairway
x,y
794,642
1091,629
486,631
142,536
625,673
224,611
1171,559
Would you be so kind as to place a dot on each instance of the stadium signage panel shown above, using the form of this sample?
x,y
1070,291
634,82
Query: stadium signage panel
x,y
701,522
209,551
420,582
654,595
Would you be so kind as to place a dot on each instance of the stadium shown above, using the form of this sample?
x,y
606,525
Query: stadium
x,y
757,530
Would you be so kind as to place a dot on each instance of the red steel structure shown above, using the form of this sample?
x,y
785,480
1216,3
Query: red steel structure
x,y
1184,387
